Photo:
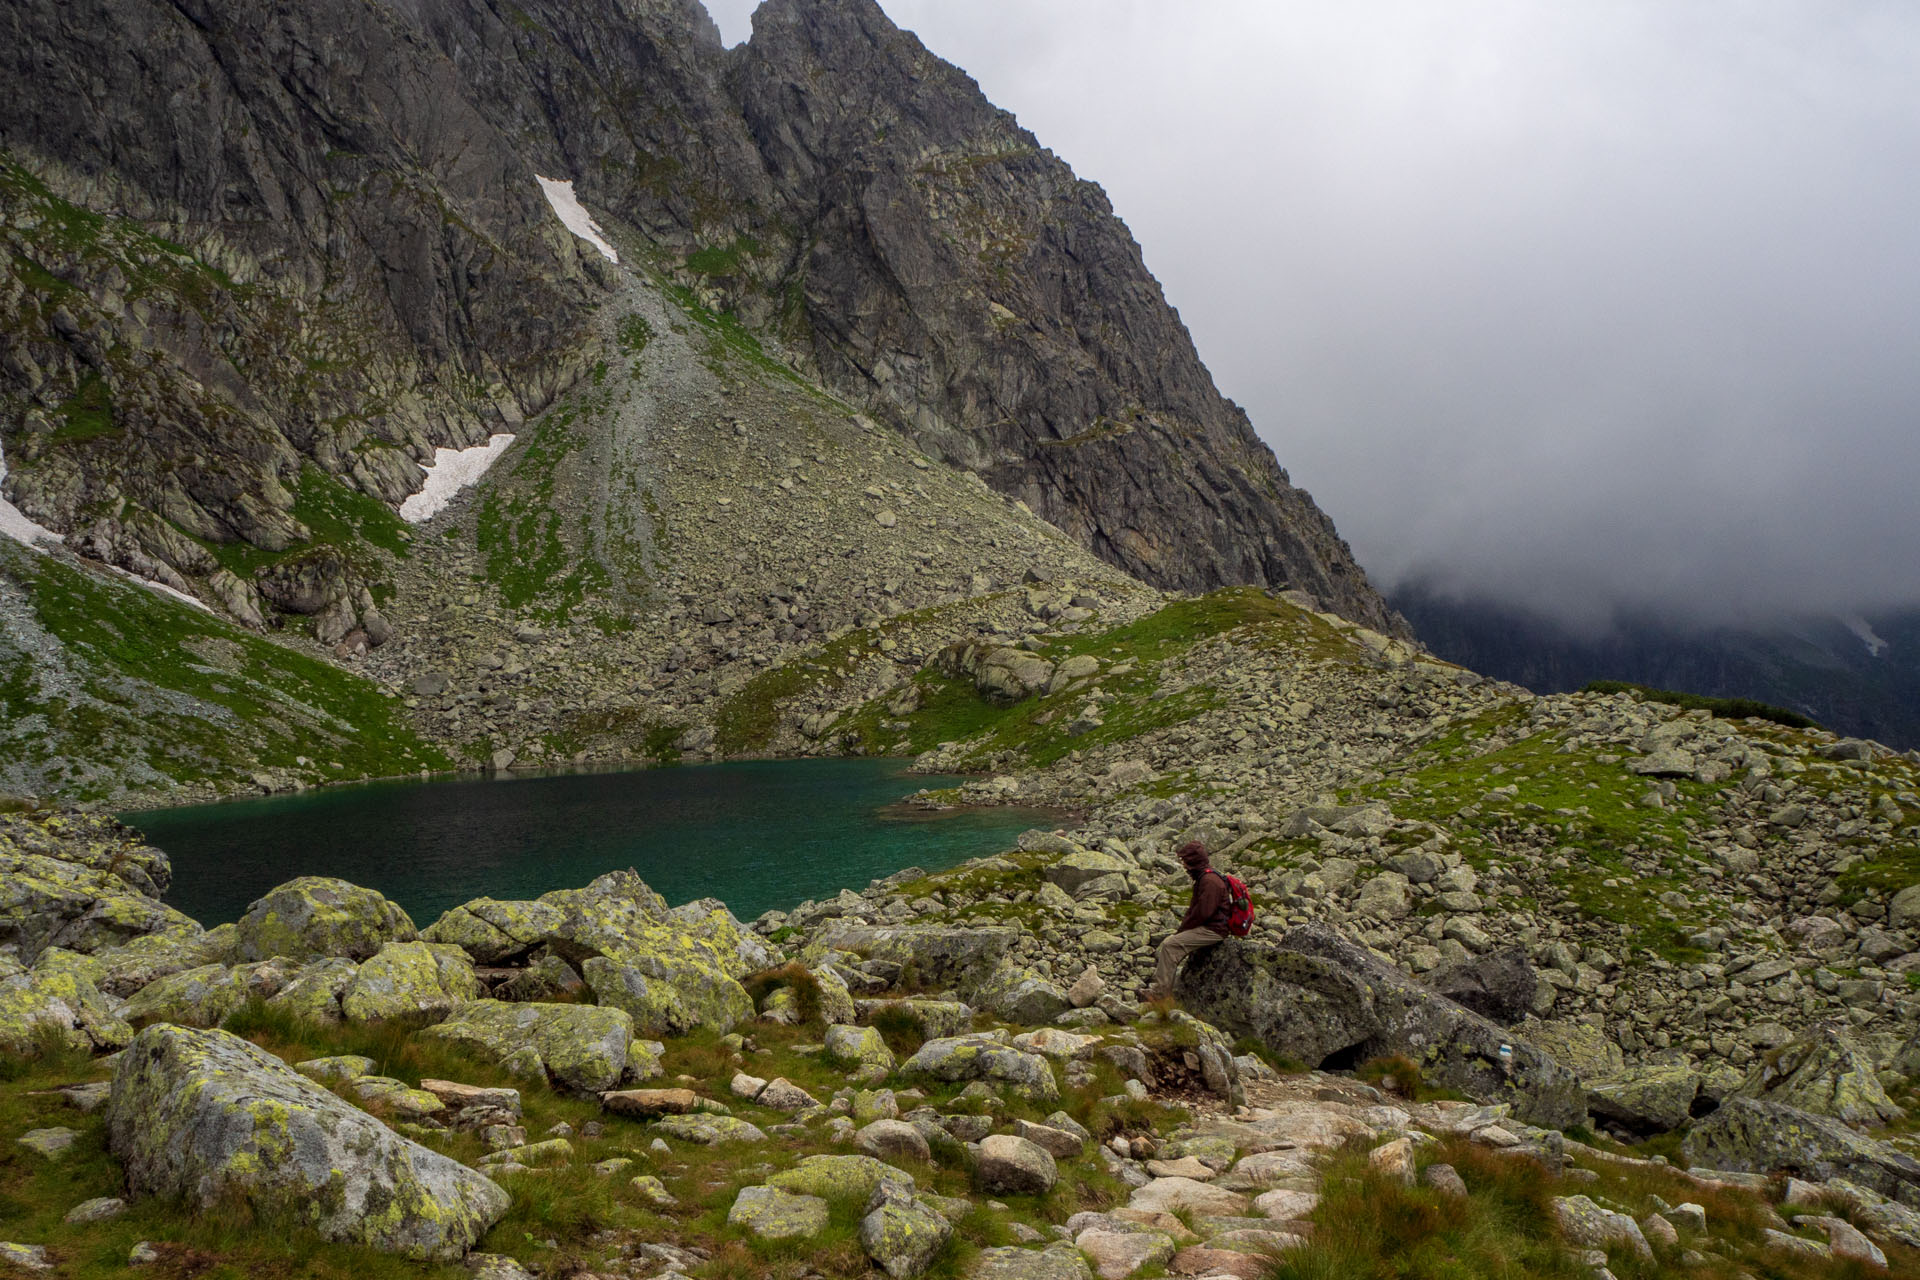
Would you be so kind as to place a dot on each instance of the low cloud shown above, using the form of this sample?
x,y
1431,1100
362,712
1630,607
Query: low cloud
x,y
1577,306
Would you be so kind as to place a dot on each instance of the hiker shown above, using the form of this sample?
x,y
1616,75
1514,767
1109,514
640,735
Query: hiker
x,y
1206,923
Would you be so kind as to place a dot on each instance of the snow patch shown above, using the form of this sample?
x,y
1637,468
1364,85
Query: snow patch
x,y
161,587
452,471
14,523
1859,626
578,220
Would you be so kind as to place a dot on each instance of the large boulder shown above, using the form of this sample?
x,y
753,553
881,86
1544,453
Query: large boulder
x,y
1324,1001
1014,1166
580,1047
1081,867
1824,1074
416,982
1649,1098
936,955
970,1058
616,915
205,996
903,1234
206,1116
740,950
1749,1136
1500,985
668,994
56,1000
314,916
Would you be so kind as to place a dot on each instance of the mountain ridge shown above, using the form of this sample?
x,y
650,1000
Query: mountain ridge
x,y
367,189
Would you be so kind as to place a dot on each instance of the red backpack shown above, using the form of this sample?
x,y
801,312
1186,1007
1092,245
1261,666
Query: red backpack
x,y
1239,904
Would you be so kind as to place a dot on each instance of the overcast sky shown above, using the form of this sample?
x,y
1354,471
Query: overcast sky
x,y
1572,304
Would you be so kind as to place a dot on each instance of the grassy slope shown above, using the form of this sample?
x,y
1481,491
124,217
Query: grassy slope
x,y
172,695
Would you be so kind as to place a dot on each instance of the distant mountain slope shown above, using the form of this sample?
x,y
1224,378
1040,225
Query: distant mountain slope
x,y
1855,676
248,242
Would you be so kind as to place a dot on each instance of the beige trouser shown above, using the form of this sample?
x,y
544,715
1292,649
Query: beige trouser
x,y
1174,951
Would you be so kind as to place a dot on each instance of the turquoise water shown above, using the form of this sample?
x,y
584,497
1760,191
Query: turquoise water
x,y
757,835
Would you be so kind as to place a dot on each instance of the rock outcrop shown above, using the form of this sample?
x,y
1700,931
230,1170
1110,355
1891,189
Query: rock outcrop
x,y
1322,1000
1747,1136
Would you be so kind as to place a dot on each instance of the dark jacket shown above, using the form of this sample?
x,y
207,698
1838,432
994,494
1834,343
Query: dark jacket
x,y
1211,903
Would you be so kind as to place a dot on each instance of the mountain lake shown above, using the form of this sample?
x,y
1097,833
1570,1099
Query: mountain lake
x,y
756,834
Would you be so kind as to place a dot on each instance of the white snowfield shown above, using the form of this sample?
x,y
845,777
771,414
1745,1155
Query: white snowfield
x,y
452,471
14,523
578,220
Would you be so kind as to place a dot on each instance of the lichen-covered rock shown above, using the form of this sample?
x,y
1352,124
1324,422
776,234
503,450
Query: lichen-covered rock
x,y
204,997
55,999
615,915
410,981
772,1214
313,916
939,955
208,1117
1009,1262
580,1047
25,1257
1021,996
1583,1222
1316,996
739,950
708,1131
86,895
314,993
979,1058
127,968
903,1235
1749,1136
1653,1098
669,986
1584,1049
671,971
1823,1074
841,1179
860,1047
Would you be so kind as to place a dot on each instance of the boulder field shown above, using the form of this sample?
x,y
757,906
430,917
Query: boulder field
x,y
855,1093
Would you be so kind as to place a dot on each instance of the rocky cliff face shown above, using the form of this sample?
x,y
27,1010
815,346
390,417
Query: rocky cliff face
x,y
957,275
255,248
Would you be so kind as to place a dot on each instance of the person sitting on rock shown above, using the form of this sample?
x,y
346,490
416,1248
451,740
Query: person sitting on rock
x,y
1204,925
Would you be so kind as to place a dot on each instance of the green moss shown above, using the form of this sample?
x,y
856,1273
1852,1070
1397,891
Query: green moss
x,y
722,260
87,414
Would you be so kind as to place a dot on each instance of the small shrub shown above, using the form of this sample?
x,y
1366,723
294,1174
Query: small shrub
x,y
794,976
1724,708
